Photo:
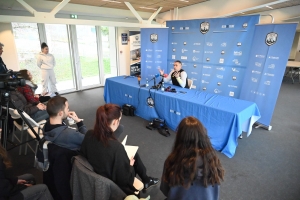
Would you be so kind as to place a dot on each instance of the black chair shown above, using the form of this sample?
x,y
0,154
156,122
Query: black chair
x,y
57,177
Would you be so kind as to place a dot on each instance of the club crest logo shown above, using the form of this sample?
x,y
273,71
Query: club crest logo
x,y
137,37
271,38
153,38
204,27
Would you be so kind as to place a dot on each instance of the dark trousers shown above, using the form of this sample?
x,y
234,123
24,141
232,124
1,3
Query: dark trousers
x,y
140,169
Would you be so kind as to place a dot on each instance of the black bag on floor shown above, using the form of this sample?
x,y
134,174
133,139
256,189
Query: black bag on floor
x,y
128,110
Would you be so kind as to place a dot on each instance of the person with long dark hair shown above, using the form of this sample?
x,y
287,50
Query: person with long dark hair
x,y
192,170
28,90
108,156
22,187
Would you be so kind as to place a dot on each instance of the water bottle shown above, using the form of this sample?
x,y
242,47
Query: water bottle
x,y
147,83
162,86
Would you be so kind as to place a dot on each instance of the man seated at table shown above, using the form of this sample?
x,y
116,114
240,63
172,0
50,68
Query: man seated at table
x,y
177,75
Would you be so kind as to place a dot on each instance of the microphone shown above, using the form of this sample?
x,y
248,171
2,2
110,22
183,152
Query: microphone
x,y
139,80
154,78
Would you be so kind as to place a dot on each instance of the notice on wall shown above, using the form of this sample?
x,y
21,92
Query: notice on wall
x,y
135,52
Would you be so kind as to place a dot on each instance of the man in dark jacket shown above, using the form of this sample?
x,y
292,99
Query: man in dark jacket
x,y
3,68
56,131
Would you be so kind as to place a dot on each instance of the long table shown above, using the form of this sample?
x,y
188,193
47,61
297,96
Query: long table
x,y
225,118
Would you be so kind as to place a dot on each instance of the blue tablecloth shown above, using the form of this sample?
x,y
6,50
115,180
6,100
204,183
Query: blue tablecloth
x,y
225,118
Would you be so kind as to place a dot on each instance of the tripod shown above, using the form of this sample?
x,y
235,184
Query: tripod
x,y
6,101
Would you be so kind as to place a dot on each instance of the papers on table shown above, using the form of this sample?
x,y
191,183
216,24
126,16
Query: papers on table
x,y
130,150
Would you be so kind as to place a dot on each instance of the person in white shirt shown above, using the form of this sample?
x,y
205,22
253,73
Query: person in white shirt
x,y
46,62
177,75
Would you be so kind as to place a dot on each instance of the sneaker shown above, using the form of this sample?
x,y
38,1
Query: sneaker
x,y
152,182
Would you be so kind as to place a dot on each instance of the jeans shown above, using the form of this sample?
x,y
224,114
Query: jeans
x,y
40,115
34,192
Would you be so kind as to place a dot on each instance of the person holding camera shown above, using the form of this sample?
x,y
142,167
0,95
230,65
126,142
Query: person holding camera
x,y
21,187
46,62
3,68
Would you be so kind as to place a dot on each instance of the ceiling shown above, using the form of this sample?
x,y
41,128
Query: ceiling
x,y
139,5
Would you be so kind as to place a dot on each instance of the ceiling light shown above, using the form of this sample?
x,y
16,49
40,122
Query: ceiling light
x,y
269,7
242,13
112,1
183,0
148,8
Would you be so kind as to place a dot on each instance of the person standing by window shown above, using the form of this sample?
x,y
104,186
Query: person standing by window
x,y
46,62
3,68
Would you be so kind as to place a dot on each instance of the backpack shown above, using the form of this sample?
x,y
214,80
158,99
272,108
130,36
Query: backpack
x,y
41,157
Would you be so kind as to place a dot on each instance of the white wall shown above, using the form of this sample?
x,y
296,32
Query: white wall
x,y
295,47
9,55
124,51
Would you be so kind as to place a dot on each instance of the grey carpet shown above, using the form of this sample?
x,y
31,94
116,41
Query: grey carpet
x,y
266,164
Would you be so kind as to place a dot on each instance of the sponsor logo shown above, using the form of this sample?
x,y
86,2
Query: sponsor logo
x,y
233,86
205,82
210,44
219,83
174,43
267,82
221,68
181,28
184,57
206,74
195,58
228,26
195,51
222,52
236,62
137,37
194,73
272,66
197,44
204,88
234,78
195,66
257,64
184,43
173,57
148,49
207,59
268,74
206,67
245,25
254,80
153,37
183,50
149,61
260,56
158,50
256,72
235,70
149,67
208,52
173,50
271,38
221,60
237,53
274,57
173,28
219,76
149,56
204,27
158,61
231,93
217,91
224,44
184,28
239,44
158,56
194,79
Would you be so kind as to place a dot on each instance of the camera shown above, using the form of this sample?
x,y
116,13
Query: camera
x,y
10,80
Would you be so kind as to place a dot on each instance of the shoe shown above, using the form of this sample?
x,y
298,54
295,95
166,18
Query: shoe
x,y
56,93
152,182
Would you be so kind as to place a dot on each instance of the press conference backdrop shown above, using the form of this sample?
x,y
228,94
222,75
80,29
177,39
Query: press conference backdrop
x,y
154,51
268,57
214,52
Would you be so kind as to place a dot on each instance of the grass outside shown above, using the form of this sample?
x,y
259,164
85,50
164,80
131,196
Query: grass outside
x,y
63,70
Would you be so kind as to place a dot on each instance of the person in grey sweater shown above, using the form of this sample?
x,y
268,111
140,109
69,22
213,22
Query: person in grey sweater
x,y
56,131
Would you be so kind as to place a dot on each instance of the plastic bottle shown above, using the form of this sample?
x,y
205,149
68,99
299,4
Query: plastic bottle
x,y
162,86
147,83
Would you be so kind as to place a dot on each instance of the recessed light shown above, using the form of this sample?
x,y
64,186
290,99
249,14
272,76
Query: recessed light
x,y
148,8
183,0
269,7
112,1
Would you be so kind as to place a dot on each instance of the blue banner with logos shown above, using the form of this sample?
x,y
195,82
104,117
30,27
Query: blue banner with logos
x,y
154,52
214,52
268,57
